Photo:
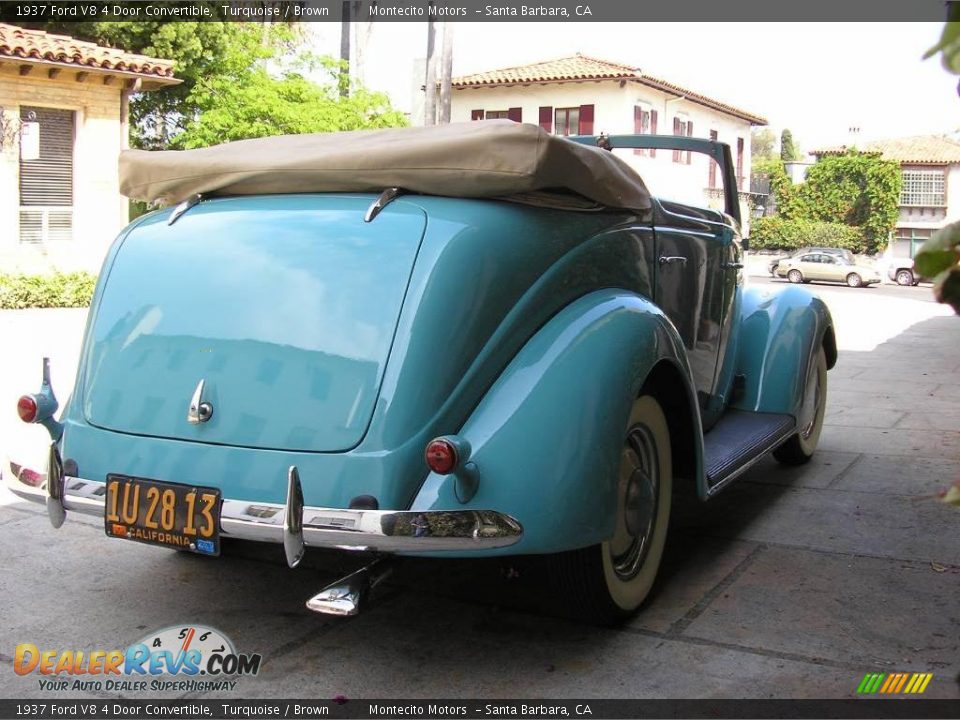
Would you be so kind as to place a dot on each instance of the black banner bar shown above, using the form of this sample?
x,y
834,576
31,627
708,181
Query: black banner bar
x,y
862,11
508,709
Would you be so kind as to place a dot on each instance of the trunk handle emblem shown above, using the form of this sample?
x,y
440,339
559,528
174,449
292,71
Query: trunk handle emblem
x,y
199,410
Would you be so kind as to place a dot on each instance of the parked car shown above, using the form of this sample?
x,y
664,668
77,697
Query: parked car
x,y
827,267
902,272
846,254
520,352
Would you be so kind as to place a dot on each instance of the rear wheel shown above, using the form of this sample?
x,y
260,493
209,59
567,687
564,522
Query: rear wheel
x,y
795,276
904,277
606,583
854,280
799,448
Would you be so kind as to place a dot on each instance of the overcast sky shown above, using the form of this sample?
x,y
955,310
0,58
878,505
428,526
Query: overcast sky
x,y
818,79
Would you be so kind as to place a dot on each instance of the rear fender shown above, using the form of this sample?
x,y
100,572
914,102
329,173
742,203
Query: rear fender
x,y
781,332
546,438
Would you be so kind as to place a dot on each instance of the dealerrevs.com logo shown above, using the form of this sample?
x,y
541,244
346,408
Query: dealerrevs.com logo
x,y
180,657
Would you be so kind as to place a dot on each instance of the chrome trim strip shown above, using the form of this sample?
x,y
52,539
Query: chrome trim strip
x,y
388,531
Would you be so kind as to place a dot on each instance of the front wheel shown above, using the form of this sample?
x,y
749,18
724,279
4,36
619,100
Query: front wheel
x,y
795,276
605,583
799,448
904,277
854,280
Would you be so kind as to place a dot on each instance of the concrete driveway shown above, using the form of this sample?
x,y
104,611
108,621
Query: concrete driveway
x,y
794,583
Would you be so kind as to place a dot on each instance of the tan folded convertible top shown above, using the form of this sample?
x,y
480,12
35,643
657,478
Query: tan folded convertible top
x,y
494,158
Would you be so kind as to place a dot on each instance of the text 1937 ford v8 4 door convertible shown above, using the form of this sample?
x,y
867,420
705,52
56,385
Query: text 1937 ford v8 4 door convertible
x,y
470,340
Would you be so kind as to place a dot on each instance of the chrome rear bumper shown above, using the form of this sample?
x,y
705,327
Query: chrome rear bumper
x,y
291,524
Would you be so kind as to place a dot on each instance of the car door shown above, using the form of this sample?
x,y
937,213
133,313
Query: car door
x,y
831,267
698,262
810,266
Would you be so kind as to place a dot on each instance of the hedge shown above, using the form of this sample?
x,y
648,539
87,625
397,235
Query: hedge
x,y
776,233
59,290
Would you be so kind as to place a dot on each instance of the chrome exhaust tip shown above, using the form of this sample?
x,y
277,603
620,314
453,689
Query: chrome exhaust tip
x,y
345,597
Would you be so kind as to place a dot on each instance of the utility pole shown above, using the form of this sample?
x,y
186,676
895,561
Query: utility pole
x,y
446,70
346,17
430,87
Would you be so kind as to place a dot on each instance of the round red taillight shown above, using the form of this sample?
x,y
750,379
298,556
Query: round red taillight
x,y
441,456
27,409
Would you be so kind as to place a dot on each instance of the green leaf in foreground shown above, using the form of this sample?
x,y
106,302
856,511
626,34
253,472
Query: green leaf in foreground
x,y
951,495
940,252
946,288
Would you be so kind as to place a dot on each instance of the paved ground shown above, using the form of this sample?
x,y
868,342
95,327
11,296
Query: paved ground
x,y
793,583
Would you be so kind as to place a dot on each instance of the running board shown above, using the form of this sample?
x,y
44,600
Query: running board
x,y
738,440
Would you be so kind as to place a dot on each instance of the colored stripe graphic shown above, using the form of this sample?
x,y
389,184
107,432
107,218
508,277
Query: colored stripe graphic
x,y
891,680
894,683
899,686
870,683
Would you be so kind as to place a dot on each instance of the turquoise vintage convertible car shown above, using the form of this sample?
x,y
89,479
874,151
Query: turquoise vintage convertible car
x,y
471,340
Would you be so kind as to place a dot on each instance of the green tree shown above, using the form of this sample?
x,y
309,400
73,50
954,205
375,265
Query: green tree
x,y
258,72
251,101
761,143
788,149
857,189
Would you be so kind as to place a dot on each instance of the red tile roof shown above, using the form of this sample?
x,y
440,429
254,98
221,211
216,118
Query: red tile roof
x,y
919,149
39,46
580,67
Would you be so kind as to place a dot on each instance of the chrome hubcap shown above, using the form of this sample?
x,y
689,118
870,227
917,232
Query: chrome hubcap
x,y
638,493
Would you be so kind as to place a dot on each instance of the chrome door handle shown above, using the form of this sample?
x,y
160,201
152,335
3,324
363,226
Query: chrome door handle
x,y
667,259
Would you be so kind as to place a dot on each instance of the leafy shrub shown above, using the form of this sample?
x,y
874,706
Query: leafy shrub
x,y
860,190
58,290
778,233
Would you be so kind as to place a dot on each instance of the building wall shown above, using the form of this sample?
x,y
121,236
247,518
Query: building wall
x,y
613,114
915,224
99,209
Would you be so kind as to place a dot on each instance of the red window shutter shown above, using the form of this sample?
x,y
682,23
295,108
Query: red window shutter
x,y
476,114
546,118
515,114
653,129
676,131
637,126
689,134
586,120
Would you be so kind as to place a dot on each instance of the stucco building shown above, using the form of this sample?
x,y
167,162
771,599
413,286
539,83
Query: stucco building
x,y
64,120
930,197
580,95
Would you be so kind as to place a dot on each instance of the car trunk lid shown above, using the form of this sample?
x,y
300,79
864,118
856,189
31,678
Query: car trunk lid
x,y
284,308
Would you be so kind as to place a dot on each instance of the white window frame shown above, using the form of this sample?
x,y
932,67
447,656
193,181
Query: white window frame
x,y
924,187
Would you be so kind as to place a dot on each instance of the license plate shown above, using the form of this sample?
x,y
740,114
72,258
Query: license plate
x,y
185,517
